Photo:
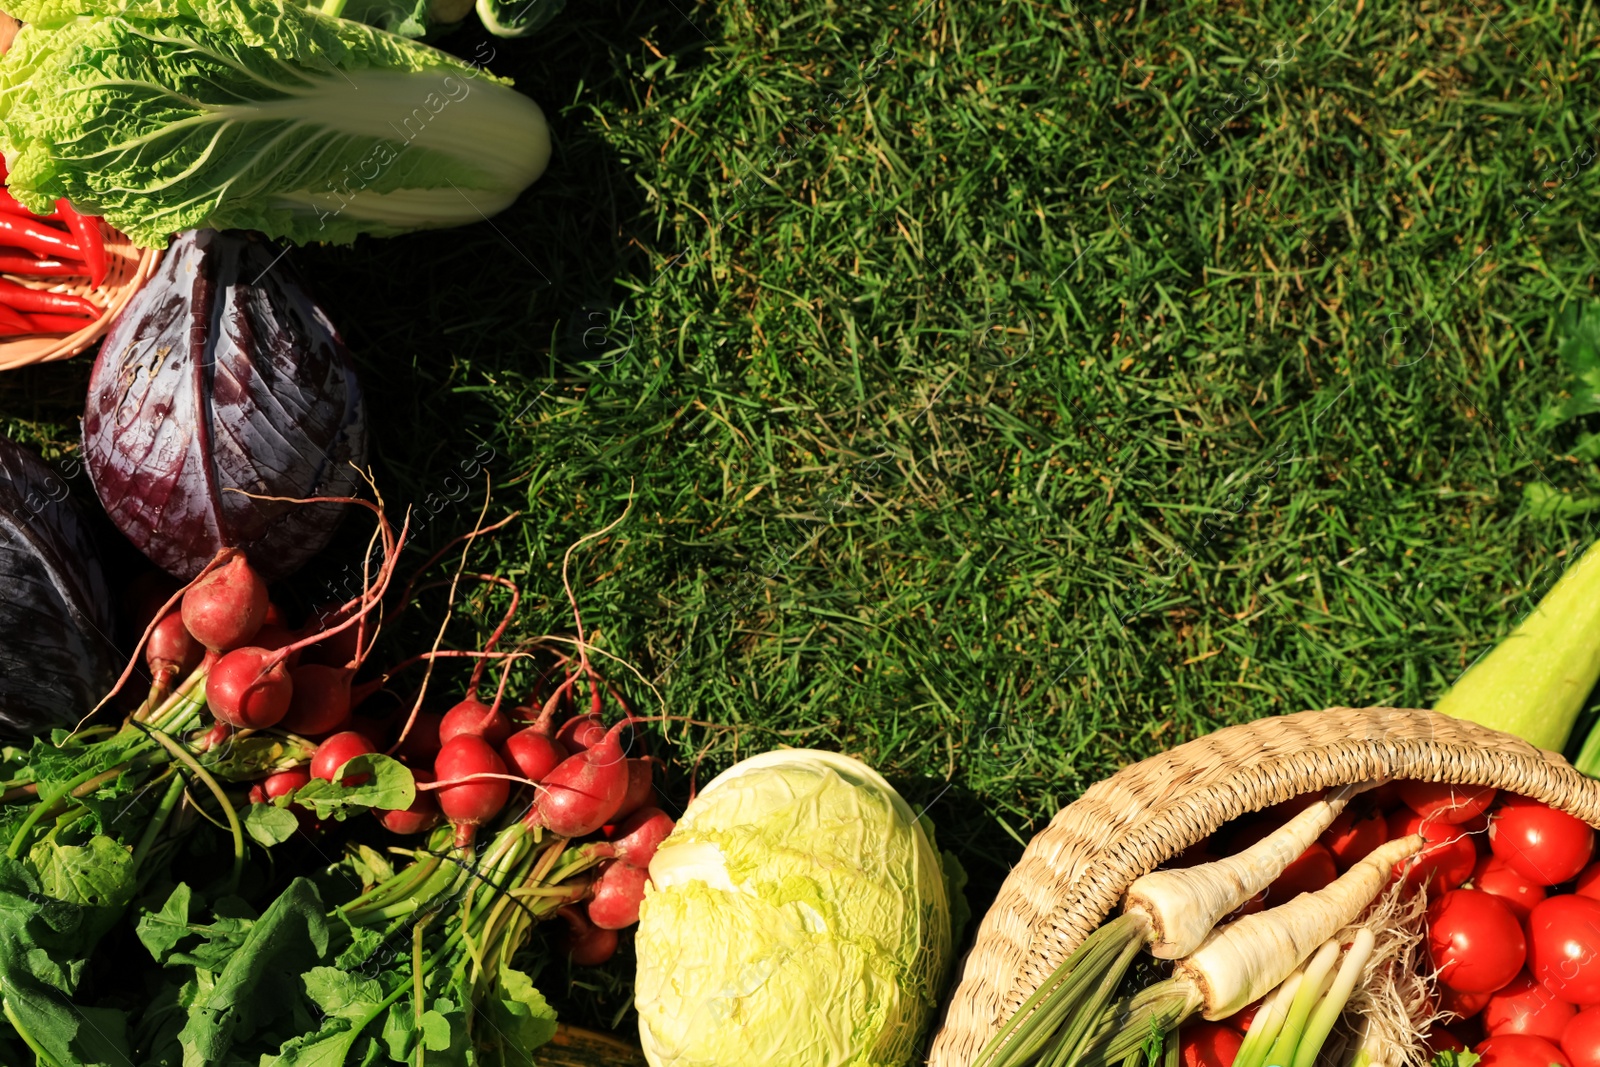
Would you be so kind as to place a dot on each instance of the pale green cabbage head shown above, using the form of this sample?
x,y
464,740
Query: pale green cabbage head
x,y
799,914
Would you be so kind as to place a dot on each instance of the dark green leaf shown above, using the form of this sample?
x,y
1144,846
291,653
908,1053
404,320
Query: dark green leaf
x,y
341,994
389,786
520,1015
162,930
270,825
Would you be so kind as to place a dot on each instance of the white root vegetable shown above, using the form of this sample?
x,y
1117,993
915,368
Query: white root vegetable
x,y
1247,959
1183,906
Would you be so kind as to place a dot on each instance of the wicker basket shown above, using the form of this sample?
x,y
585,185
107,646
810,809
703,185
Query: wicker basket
x,y
128,267
1074,872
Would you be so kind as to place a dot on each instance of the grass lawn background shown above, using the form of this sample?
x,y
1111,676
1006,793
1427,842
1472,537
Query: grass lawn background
x,y
973,435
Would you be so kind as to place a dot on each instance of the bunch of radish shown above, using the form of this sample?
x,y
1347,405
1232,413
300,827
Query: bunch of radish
x,y
1512,923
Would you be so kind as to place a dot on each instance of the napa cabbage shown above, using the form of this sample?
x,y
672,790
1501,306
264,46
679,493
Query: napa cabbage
x,y
167,115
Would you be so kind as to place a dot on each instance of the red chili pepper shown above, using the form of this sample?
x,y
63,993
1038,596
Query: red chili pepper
x,y
37,237
13,205
55,324
12,322
87,231
16,261
22,298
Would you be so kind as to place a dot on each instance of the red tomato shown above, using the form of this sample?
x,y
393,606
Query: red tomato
x,y
1311,870
1474,941
1241,1019
1439,1039
1520,1050
1495,877
1387,796
1563,938
1208,1045
1445,862
1244,832
1581,1039
1452,803
1523,1006
1589,882
1462,1005
1350,838
1547,845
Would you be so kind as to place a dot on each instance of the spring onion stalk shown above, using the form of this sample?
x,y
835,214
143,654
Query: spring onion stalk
x,y
1268,1021
1344,983
1535,682
1319,974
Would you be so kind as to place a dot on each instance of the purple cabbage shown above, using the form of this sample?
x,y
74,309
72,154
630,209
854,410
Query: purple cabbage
x,y
221,374
56,653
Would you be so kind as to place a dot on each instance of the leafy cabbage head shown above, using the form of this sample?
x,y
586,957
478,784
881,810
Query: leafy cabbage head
x,y
167,115
798,915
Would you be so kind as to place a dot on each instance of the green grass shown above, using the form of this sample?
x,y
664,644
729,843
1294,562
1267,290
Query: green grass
x,y
1258,448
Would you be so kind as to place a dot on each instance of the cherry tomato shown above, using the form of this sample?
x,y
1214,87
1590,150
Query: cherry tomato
x,y
1444,800
1523,1006
1444,862
1564,948
1462,1005
1581,1039
1495,877
1474,941
1589,882
1520,1050
1350,838
1310,871
1547,845
1208,1045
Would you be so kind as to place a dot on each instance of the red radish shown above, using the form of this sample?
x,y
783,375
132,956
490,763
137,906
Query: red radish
x,y
476,718
1310,871
1349,839
640,835
584,791
1448,859
1443,800
338,750
1203,1044
586,944
1493,876
1536,840
242,692
368,727
469,804
640,787
581,732
422,741
617,895
274,615
532,753
1520,1050
1581,1039
1523,1006
1562,934
278,785
321,699
225,608
1474,941
423,814
215,736
171,647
